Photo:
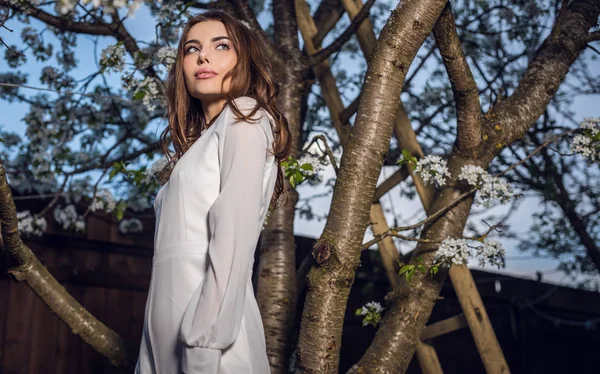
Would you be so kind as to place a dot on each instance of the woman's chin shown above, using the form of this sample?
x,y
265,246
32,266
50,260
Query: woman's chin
x,y
206,95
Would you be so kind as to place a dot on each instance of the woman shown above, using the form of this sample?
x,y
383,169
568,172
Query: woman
x,y
201,315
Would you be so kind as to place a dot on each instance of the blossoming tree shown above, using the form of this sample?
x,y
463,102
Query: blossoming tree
x,y
458,155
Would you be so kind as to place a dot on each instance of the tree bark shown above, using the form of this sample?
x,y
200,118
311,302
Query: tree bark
x,y
276,294
338,249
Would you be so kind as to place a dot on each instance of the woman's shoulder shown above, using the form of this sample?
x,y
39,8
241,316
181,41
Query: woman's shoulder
x,y
246,104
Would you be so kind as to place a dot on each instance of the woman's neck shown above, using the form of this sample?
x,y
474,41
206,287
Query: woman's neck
x,y
212,109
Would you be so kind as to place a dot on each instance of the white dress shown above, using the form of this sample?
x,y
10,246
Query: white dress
x,y
201,315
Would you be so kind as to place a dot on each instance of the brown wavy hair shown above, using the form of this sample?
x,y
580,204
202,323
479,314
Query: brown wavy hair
x,y
252,76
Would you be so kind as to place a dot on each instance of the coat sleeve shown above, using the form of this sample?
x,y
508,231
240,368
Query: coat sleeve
x,y
212,319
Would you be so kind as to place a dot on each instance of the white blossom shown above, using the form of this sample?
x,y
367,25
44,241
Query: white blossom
x,y
314,161
494,190
491,189
146,90
113,58
68,218
458,251
474,175
592,124
166,55
453,251
103,200
588,143
110,6
130,225
491,252
30,225
433,169
150,172
371,313
373,306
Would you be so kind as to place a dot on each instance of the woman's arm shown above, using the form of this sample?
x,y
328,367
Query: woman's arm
x,y
212,320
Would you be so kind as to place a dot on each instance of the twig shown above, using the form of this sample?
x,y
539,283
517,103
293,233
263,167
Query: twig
x,y
64,92
461,197
328,150
324,53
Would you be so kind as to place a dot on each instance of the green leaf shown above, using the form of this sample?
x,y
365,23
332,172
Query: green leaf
x,y
409,275
112,173
139,95
405,269
306,167
434,270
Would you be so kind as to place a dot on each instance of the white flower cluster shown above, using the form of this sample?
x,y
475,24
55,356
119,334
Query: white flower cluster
x,y
103,200
491,252
110,6
491,189
29,224
371,313
113,58
458,251
130,226
151,171
453,251
146,90
166,55
41,167
372,306
588,143
433,169
314,161
68,218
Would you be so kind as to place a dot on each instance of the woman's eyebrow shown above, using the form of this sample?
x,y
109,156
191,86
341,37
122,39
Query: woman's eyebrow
x,y
216,38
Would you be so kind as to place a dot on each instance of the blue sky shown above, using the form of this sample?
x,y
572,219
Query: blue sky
x,y
141,26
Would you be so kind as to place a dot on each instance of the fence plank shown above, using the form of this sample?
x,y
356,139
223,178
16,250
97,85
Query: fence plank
x,y
18,329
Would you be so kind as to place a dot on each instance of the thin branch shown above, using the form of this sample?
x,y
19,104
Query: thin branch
x,y
593,36
544,74
324,53
63,23
109,163
466,95
393,232
328,151
243,10
453,203
93,96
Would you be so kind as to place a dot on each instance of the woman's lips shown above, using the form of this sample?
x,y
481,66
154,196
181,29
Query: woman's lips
x,y
205,75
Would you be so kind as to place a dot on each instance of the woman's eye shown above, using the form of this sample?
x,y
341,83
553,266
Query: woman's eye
x,y
222,45
190,49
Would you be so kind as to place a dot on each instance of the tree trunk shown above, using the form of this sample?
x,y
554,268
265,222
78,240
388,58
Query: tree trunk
x,y
338,249
276,294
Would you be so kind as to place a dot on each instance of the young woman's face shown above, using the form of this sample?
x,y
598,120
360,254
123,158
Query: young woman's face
x,y
208,47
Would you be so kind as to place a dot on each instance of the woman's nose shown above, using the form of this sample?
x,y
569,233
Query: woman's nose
x,y
202,57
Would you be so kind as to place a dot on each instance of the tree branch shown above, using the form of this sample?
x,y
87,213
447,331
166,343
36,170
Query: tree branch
x,y
243,10
593,36
324,53
510,119
466,95
63,23
25,266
